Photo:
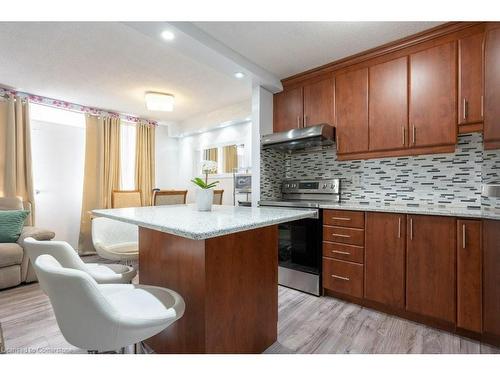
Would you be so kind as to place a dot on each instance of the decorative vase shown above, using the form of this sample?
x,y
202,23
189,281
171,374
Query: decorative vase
x,y
204,199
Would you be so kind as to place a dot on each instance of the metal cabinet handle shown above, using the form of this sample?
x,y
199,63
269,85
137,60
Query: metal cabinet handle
x,y
340,252
305,120
464,238
298,121
414,134
340,277
404,135
341,218
465,109
341,235
399,228
482,106
411,229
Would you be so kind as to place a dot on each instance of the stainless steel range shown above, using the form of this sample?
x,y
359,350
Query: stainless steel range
x,y
300,242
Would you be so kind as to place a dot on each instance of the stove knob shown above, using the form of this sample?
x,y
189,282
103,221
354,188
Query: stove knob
x,y
325,186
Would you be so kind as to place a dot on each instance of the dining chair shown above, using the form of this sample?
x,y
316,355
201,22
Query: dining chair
x,y
168,197
105,317
218,196
126,198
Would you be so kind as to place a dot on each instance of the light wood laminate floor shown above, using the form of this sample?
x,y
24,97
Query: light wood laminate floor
x,y
307,324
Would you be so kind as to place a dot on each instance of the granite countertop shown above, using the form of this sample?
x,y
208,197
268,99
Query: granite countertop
x,y
422,209
186,221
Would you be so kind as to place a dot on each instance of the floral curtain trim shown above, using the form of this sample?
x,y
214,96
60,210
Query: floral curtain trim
x,y
74,107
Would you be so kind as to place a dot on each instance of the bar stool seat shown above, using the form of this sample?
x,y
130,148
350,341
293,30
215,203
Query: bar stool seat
x,y
67,257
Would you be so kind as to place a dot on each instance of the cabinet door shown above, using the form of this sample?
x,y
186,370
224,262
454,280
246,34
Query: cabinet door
x,y
491,277
433,91
385,258
469,274
288,112
470,79
318,103
430,266
351,111
492,89
388,93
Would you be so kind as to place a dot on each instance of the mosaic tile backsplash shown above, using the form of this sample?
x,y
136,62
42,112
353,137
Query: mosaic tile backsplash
x,y
431,180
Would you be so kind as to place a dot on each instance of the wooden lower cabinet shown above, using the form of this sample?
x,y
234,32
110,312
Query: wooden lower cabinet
x,y
441,271
385,258
469,265
491,278
430,266
343,277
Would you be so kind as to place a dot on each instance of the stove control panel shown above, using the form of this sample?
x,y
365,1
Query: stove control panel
x,y
330,186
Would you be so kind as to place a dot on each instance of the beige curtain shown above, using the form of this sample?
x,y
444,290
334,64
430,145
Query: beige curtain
x,y
145,162
16,177
230,158
101,173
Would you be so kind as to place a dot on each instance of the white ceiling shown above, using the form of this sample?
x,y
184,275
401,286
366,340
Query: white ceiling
x,y
110,66
288,48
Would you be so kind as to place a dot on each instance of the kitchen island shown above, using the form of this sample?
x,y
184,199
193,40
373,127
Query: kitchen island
x,y
224,263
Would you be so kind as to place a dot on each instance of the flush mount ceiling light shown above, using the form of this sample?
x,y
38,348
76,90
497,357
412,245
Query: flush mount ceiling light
x,y
239,75
167,35
157,101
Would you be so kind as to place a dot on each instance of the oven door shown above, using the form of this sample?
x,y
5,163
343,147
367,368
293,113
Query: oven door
x,y
299,254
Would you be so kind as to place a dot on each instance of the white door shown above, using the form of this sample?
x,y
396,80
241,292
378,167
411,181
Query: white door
x,y
58,152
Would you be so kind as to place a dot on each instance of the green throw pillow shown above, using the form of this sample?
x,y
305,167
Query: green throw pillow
x,y
11,225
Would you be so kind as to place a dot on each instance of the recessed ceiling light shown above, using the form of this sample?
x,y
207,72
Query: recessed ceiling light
x,y
157,101
167,35
239,75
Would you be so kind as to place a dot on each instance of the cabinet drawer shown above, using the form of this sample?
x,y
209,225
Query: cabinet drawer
x,y
341,218
344,235
342,251
343,277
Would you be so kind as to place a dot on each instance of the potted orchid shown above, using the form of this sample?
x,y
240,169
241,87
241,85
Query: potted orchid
x,y
205,194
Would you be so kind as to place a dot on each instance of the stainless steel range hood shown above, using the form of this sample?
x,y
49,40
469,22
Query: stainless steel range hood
x,y
301,138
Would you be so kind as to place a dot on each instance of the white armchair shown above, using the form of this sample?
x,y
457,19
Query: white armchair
x,y
115,240
105,317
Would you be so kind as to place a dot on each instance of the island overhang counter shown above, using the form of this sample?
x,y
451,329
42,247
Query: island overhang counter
x,y
224,263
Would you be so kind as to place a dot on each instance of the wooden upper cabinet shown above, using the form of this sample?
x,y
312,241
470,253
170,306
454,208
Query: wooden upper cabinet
x,y
492,89
433,92
288,110
351,111
430,266
318,103
470,79
469,273
385,258
388,93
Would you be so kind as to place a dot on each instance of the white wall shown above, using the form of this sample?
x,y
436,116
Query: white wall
x,y
189,153
167,159
232,114
262,120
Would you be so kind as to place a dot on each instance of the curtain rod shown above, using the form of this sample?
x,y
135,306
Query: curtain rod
x,y
90,111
